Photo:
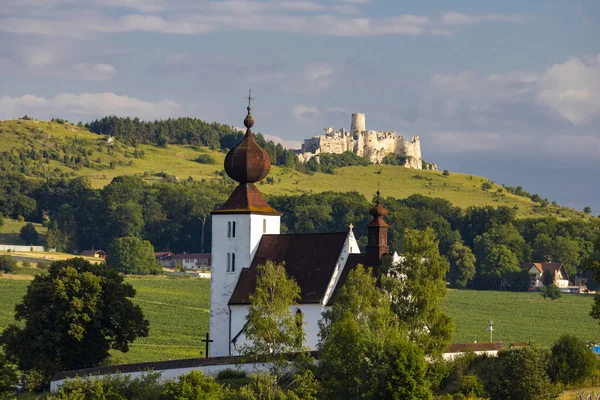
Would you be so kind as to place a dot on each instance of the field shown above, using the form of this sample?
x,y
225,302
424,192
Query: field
x,y
178,311
520,317
9,232
462,190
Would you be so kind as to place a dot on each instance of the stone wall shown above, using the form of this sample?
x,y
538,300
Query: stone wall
x,y
374,145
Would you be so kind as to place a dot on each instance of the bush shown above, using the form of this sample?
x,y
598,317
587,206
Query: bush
x,y
111,387
35,381
552,292
205,159
8,377
231,374
8,264
446,173
194,386
486,186
471,386
26,264
28,234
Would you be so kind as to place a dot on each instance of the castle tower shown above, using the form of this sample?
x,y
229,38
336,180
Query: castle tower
x,y
237,227
377,243
358,123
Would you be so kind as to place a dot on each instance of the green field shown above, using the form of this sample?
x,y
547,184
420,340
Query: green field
x,y
178,311
462,190
520,317
9,232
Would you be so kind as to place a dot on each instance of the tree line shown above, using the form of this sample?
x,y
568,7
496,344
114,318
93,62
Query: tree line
x,y
484,245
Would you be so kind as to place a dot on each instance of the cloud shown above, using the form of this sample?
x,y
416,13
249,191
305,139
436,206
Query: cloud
x,y
289,144
304,113
456,18
572,90
87,105
95,72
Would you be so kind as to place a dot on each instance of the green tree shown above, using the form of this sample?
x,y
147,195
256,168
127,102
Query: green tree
x,y
28,234
417,285
274,331
497,265
587,210
363,351
71,317
132,255
8,377
7,264
462,265
571,361
520,375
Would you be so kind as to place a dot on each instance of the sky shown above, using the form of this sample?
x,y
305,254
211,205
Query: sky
x,y
507,89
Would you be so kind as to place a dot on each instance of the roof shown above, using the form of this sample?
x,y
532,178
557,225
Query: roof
x,y
246,199
91,252
462,347
546,266
247,162
160,254
309,258
198,256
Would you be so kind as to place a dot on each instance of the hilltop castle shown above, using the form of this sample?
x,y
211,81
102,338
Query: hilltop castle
x,y
374,145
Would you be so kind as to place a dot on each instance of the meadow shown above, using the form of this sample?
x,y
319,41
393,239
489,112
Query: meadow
x,y
178,311
461,189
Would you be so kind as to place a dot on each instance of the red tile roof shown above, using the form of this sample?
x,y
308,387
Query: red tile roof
x,y
546,266
92,252
309,258
245,199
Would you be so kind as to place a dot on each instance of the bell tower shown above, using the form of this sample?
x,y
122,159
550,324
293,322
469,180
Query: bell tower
x,y
237,227
377,241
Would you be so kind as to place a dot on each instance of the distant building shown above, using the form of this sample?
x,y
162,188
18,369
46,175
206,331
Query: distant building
x,y
93,253
193,261
536,270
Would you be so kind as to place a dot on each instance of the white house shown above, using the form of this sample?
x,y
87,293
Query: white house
x,y
536,270
246,233
193,261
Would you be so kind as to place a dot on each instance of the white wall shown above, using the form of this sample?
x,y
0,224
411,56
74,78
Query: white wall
x,y
248,232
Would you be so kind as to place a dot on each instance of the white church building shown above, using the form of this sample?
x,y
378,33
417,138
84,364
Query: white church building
x,y
246,233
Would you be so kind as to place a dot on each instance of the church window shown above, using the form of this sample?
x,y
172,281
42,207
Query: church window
x,y
264,226
229,229
232,262
228,262
233,229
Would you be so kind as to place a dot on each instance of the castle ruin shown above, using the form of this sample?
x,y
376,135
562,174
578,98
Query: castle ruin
x,y
374,145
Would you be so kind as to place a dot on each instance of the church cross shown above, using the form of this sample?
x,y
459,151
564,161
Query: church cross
x,y
250,98
351,226
207,341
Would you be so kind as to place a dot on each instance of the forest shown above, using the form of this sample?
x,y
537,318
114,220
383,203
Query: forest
x,y
484,245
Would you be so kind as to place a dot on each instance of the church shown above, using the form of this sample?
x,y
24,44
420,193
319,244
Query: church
x,y
246,233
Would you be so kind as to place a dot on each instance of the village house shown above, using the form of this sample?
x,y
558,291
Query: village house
x,y
536,270
94,253
192,261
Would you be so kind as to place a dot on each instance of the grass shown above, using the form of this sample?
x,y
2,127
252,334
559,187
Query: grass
x,y
520,317
9,232
462,190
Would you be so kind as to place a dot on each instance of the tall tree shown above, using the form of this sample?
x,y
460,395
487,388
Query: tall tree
x,y
132,255
71,317
462,265
416,285
363,351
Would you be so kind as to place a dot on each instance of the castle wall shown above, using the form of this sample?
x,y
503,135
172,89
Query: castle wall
x,y
374,145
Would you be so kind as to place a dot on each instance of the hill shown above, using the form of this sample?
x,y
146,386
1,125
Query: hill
x,y
43,149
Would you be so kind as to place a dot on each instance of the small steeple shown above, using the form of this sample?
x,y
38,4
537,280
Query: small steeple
x,y
377,244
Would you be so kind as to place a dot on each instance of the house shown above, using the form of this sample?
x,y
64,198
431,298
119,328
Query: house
x,y
536,270
94,253
246,233
193,261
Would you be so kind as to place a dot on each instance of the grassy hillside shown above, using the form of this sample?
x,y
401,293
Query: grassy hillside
x,y
101,162
178,311
9,232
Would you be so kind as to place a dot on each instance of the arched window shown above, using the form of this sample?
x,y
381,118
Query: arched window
x,y
233,230
228,262
232,262
229,229
265,225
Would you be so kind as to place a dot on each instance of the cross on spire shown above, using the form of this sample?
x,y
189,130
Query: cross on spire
x,y
250,98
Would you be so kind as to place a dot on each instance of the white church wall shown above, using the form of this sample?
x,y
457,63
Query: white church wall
x,y
249,229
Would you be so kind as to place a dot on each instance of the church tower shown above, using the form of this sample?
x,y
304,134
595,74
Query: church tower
x,y
237,228
377,243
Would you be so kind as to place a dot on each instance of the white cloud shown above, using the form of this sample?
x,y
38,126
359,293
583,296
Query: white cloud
x,y
456,18
288,144
87,105
95,72
304,113
572,90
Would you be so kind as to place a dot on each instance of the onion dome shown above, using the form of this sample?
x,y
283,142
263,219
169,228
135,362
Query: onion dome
x,y
378,212
247,162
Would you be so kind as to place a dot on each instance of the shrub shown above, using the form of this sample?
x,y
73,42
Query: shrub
x,y
486,186
571,361
28,234
446,173
35,381
552,292
111,387
471,386
8,264
205,159
194,386
8,377
231,374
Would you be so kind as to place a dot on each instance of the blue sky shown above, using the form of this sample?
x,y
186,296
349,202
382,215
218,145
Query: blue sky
x,y
505,89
